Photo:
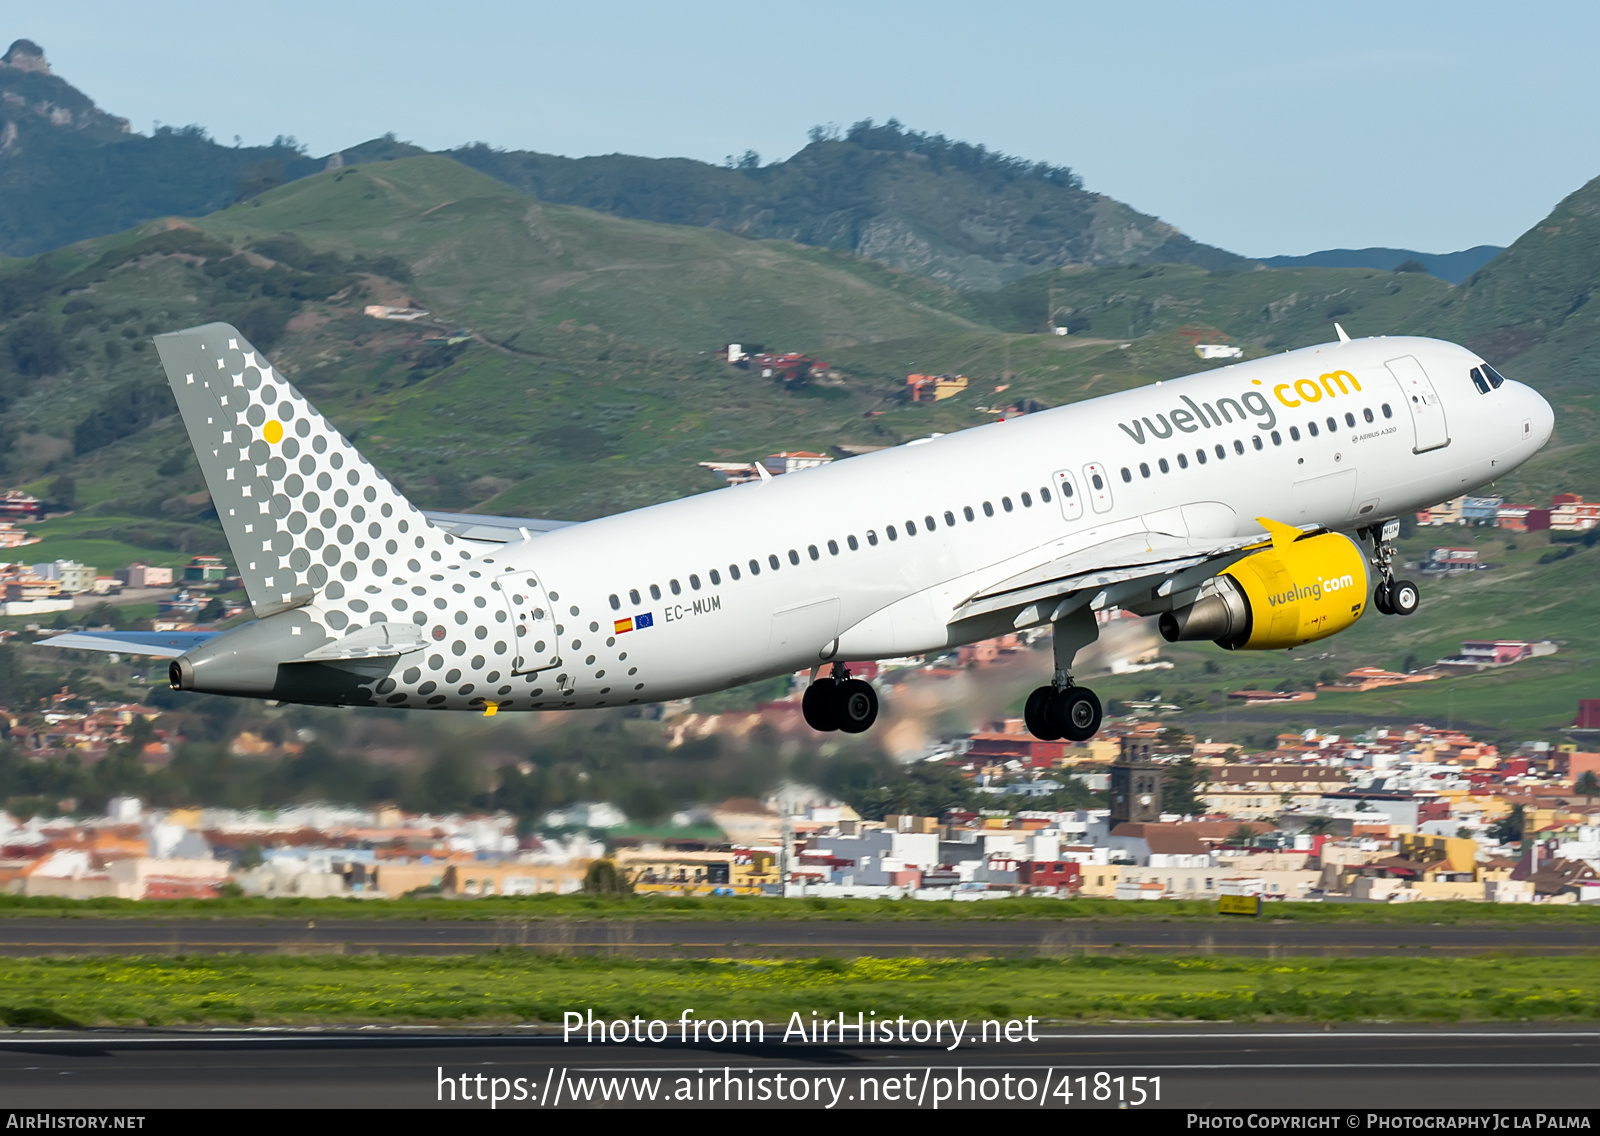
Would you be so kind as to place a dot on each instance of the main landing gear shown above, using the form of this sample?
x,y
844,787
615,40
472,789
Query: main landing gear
x,y
1070,712
1391,596
1064,709
839,702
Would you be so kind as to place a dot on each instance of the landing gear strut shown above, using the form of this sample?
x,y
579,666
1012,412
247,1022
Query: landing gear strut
x,y
1064,709
1391,596
839,702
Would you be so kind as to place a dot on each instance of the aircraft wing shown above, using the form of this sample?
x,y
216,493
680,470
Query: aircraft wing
x,y
1117,560
164,644
492,530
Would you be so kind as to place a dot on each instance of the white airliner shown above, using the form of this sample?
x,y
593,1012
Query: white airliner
x,y
1220,501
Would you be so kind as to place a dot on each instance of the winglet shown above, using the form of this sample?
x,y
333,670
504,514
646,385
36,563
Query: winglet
x,y
1282,534
1344,336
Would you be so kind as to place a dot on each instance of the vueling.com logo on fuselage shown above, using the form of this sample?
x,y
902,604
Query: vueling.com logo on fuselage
x,y
1328,584
1193,416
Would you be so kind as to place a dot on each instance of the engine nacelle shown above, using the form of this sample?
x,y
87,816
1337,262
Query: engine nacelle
x,y
1301,589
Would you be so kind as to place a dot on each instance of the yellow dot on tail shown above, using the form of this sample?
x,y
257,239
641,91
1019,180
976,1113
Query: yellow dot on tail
x,y
273,432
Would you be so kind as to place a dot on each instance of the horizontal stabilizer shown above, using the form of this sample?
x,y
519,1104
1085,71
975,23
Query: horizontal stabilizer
x,y
164,644
492,530
376,641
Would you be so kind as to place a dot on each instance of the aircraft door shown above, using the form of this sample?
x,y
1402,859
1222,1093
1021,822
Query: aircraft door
x,y
1069,496
1427,412
535,643
1098,486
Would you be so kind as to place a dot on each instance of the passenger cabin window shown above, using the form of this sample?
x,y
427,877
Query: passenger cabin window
x,y
1144,469
616,604
677,589
733,571
694,581
1044,494
1127,474
1238,446
1277,438
1221,451
872,538
1099,482
852,542
966,511
1027,500
1366,412
1294,433
889,531
911,528
1387,412
755,567
1183,461
1163,464
655,592
949,519
633,595
772,559
1200,456
1349,419
988,509
716,577
794,557
833,548
1005,502
811,549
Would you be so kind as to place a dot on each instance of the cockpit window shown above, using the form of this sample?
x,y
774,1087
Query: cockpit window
x,y
1495,377
1479,381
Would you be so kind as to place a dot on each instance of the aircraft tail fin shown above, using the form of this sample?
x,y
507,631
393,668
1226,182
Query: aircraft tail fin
x,y
304,512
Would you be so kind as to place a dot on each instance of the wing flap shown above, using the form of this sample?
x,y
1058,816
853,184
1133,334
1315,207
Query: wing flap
x,y
377,641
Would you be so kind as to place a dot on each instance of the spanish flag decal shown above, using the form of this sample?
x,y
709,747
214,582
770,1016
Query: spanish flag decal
x,y
621,625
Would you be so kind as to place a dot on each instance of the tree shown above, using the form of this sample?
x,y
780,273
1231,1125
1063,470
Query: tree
x,y
1588,784
605,878
1177,791
1411,264
1318,825
1510,828
1244,834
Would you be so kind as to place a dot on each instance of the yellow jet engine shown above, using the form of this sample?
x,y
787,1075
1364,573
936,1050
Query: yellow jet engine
x,y
1303,588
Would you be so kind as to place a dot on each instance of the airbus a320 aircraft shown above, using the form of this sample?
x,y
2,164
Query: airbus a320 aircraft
x,y
1252,505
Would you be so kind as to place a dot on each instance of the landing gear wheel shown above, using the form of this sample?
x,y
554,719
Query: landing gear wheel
x,y
1036,714
1380,598
820,705
1075,712
856,705
1405,597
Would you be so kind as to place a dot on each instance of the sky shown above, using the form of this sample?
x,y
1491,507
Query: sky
x,y
1264,128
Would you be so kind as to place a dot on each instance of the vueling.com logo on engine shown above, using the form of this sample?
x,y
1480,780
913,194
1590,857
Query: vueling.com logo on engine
x,y
1329,584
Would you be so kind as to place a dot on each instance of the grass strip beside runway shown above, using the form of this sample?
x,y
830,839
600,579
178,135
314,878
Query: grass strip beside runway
x,y
689,909
517,986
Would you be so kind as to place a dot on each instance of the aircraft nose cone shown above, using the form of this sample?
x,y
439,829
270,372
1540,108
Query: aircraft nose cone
x,y
1543,415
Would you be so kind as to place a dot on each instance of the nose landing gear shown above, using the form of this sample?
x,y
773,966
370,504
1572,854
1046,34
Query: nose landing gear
x,y
839,702
1391,596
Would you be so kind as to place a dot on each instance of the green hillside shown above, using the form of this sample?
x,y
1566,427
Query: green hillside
x,y
921,203
69,170
519,269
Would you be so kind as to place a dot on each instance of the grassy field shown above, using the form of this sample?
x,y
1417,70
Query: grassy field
x,y
516,986
686,909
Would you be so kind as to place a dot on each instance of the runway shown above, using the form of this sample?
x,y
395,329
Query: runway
x,y
778,939
1187,1067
